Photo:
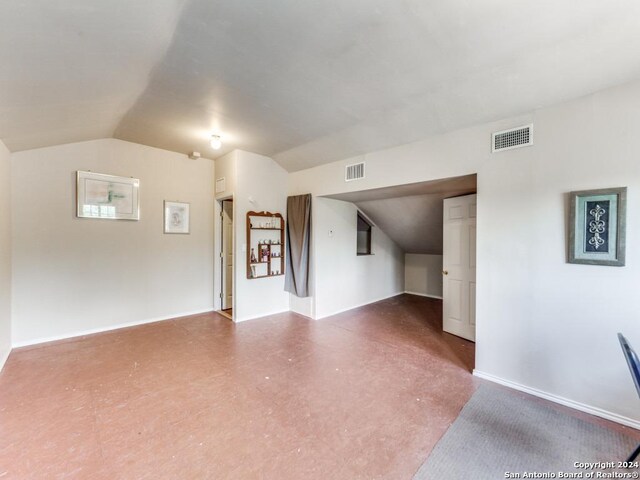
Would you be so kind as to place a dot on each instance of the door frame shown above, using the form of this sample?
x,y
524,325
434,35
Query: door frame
x,y
218,260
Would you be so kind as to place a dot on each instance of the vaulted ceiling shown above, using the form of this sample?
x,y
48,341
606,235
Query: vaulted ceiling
x,y
305,82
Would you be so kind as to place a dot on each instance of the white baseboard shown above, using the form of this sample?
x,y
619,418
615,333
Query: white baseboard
x,y
305,314
359,305
598,412
262,315
423,294
65,336
302,315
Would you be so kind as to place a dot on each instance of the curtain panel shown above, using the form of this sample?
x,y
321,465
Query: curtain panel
x,y
296,278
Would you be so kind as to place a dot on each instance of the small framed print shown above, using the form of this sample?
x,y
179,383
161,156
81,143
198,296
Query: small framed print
x,y
597,230
176,217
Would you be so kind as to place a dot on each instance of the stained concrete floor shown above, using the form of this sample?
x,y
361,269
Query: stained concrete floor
x,y
364,394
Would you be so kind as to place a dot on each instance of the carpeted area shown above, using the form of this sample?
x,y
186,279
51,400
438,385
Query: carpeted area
x,y
500,431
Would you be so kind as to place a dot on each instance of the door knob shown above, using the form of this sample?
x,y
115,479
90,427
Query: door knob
x,y
444,272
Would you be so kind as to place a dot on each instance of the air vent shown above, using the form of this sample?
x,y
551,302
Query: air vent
x,y
512,138
221,185
354,172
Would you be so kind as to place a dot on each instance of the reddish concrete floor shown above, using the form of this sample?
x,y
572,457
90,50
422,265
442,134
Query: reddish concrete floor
x,y
364,394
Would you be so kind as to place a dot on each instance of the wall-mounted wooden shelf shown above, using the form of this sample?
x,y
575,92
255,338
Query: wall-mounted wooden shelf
x,y
265,245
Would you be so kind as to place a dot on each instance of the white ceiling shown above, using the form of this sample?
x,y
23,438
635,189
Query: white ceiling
x,y
70,70
306,82
411,215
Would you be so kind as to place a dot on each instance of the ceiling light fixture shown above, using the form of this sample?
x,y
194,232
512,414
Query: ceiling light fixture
x,y
216,142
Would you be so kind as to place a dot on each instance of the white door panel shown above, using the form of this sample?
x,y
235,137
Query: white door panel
x,y
459,266
472,210
472,246
455,212
455,295
455,245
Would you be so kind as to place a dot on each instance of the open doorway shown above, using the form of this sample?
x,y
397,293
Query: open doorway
x,y
432,224
227,258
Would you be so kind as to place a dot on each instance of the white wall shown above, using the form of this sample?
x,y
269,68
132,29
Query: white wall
x,y
226,168
75,275
305,305
423,274
343,279
543,324
261,185
5,254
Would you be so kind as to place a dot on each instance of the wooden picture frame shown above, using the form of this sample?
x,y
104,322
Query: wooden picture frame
x,y
597,228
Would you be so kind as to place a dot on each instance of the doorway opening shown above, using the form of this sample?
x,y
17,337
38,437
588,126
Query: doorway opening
x,y
434,225
226,258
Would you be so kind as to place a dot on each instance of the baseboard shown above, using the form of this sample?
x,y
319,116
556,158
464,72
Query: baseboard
x,y
109,328
423,295
360,305
262,315
598,412
305,315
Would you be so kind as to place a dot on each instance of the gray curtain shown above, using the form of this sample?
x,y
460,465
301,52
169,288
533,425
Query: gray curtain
x,y
296,279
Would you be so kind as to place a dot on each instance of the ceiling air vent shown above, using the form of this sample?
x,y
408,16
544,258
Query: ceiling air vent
x,y
512,138
354,172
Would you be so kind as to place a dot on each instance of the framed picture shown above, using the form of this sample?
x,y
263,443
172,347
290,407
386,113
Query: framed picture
x,y
598,226
176,217
107,196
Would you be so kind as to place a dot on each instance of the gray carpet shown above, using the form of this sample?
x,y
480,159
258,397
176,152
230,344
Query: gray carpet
x,y
499,431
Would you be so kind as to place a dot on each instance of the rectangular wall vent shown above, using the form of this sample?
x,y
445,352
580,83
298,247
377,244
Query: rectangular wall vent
x,y
221,185
512,138
354,172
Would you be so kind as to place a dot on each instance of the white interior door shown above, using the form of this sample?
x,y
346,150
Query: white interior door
x,y
227,254
459,267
